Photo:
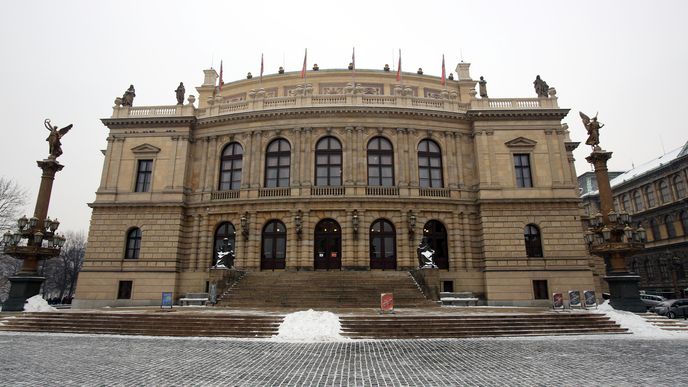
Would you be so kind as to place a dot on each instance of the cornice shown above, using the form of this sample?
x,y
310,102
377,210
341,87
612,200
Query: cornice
x,y
139,122
526,114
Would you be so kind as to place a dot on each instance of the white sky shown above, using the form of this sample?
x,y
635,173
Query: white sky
x,y
68,60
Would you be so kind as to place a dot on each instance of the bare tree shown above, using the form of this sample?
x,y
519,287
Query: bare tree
x,y
62,271
12,200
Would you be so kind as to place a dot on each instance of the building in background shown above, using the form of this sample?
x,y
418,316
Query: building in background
x,y
339,170
654,193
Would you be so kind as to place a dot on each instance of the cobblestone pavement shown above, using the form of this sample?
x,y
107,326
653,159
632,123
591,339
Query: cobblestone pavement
x,y
68,360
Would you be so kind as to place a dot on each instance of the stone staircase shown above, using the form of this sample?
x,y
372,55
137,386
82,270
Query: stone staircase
x,y
149,324
485,325
332,289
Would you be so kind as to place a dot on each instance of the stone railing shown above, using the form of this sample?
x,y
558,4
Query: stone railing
x,y
328,191
224,195
435,192
382,191
273,192
449,103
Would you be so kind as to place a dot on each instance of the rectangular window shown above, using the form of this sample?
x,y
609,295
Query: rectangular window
x,y
447,286
522,169
143,176
124,290
540,291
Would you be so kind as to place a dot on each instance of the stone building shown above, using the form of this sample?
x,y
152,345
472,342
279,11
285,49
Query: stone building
x,y
319,174
654,193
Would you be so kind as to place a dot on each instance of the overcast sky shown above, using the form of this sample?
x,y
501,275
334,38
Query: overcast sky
x,y
68,60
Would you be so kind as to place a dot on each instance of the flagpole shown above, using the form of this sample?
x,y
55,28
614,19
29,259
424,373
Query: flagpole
x,y
353,69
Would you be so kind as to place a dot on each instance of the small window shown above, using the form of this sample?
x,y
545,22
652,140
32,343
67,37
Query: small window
x,y
650,195
133,244
230,167
524,177
533,241
669,223
679,187
654,228
638,200
540,291
124,290
684,221
626,199
448,286
664,193
143,176
649,270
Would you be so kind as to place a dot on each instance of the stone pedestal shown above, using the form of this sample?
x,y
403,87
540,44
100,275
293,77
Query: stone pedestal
x,y
429,281
22,288
624,293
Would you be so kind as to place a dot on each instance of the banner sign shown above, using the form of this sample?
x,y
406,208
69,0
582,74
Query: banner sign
x,y
387,302
574,299
590,299
557,300
166,300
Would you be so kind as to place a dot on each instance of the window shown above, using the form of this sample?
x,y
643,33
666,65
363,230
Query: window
x,y
654,227
669,224
224,239
650,195
380,162
328,162
383,244
133,244
649,270
274,247
679,187
124,290
684,221
429,165
230,167
522,168
664,269
540,291
143,176
533,241
664,193
638,201
277,163
627,203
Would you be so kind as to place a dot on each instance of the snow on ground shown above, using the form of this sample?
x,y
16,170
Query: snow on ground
x,y
37,304
310,326
637,324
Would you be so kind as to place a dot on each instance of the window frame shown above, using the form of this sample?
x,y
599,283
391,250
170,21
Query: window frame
x,y
428,156
144,178
329,153
533,241
380,167
520,170
134,235
125,289
230,157
277,155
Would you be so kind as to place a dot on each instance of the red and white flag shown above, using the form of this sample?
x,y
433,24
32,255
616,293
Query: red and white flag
x,y
443,81
303,69
221,81
399,67
261,67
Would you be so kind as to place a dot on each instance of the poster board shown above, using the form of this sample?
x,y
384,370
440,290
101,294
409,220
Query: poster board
x,y
387,302
590,299
557,301
166,302
575,299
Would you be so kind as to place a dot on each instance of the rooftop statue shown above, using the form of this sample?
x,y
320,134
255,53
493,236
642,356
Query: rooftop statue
x,y
128,97
180,93
593,126
54,144
483,87
541,87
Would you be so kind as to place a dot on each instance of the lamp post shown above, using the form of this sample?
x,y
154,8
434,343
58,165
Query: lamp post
x,y
610,234
35,238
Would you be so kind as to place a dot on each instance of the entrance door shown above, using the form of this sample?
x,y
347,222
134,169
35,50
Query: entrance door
x,y
327,246
274,249
383,245
436,234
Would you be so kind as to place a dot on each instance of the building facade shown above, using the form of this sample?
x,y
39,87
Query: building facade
x,y
654,193
319,174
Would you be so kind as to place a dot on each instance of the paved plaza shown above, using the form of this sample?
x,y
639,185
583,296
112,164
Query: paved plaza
x,y
69,360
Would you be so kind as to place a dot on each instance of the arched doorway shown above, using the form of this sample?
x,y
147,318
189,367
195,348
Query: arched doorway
x,y
383,245
327,245
224,239
274,248
436,234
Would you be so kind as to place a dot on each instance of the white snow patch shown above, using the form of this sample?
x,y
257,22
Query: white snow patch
x,y
636,324
310,326
37,304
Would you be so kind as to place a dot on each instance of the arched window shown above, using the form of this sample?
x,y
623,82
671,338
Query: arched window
x,y
274,247
383,245
133,247
669,224
277,163
436,234
664,192
224,239
664,269
638,201
649,270
230,167
627,203
684,221
650,195
429,165
679,187
654,228
380,162
533,241
328,162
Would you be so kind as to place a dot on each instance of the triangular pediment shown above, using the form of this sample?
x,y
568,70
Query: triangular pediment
x,y
145,148
521,142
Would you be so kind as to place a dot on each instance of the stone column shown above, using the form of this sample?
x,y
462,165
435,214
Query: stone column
x,y
173,162
411,157
107,165
348,156
308,158
552,160
298,157
118,152
213,159
360,153
248,160
258,154
401,159
195,236
206,170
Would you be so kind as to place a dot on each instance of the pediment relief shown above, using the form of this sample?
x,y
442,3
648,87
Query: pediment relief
x,y
521,143
145,148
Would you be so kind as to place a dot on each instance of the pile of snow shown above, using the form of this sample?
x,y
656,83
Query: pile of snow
x,y
37,304
635,323
310,326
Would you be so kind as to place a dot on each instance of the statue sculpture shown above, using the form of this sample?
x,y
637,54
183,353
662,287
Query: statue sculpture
x,y
54,144
425,255
225,257
483,87
180,93
128,97
593,126
541,87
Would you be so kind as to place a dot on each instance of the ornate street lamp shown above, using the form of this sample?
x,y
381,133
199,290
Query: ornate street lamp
x,y
39,231
610,235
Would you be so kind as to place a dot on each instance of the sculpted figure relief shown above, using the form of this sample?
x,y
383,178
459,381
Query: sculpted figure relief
x,y
54,144
128,97
541,87
593,126
180,93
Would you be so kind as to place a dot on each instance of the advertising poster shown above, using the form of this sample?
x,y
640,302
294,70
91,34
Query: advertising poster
x,y
574,299
166,300
590,299
387,302
557,300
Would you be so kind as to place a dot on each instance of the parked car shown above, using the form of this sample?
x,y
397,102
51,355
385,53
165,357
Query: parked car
x,y
651,300
672,308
